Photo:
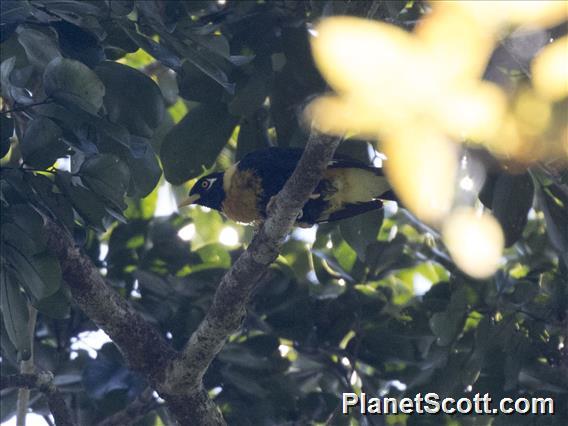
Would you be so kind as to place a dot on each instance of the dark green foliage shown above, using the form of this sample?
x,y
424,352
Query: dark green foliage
x,y
183,152
354,301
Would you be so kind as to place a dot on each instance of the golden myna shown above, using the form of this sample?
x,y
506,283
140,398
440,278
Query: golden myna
x,y
242,192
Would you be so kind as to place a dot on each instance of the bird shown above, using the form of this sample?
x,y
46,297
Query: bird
x,y
242,192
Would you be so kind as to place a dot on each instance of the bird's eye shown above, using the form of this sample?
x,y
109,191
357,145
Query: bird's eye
x,y
205,184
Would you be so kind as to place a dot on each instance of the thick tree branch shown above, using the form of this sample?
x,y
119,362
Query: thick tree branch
x,y
42,381
178,376
184,376
142,345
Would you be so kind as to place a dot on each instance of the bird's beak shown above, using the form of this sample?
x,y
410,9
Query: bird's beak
x,y
189,200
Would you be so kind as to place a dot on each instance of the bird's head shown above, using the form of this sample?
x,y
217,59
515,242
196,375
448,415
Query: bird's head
x,y
208,191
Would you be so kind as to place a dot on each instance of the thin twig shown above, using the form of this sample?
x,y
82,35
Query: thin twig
x,y
25,107
26,367
43,381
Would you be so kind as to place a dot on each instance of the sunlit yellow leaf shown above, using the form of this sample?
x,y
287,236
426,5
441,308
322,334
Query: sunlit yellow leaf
x,y
335,115
550,70
474,112
456,43
422,166
493,13
475,242
358,55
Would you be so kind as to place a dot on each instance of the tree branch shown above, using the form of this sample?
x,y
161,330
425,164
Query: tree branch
x,y
142,345
178,376
42,381
184,375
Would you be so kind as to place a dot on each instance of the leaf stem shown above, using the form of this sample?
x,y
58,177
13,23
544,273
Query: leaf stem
x,y
26,367
25,107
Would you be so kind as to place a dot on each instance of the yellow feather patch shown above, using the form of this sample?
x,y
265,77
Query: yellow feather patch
x,y
241,195
351,185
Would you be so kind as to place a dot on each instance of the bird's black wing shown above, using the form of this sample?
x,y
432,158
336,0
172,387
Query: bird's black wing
x,y
275,165
270,161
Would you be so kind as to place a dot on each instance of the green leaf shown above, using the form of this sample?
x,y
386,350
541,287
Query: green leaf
x,y
157,50
361,230
15,312
72,82
29,223
9,90
9,351
107,176
51,198
40,48
252,136
196,141
204,61
131,98
512,199
89,206
442,327
7,129
145,173
14,236
213,255
55,306
554,209
250,96
41,145
40,273
15,11
194,85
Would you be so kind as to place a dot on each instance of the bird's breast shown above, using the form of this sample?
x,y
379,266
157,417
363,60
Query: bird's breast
x,y
242,196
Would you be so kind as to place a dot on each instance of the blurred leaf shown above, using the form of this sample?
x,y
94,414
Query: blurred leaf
x,y
15,312
8,404
512,198
242,357
213,255
245,384
15,11
131,98
9,351
42,144
252,136
55,306
196,141
107,373
361,230
250,96
72,83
